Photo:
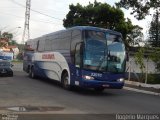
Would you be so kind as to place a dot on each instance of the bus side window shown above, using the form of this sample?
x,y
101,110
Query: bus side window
x,y
37,45
41,45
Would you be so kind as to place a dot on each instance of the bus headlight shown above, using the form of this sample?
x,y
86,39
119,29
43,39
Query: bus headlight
x,y
88,77
120,80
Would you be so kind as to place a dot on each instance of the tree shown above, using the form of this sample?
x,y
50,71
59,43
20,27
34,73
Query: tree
x,y
7,35
139,59
154,40
155,57
12,42
135,37
140,8
99,15
154,31
5,39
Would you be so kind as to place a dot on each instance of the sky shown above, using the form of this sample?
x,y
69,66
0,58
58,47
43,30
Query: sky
x,y
12,16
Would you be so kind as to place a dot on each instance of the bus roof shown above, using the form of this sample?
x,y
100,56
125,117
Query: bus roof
x,y
86,28
95,28
81,28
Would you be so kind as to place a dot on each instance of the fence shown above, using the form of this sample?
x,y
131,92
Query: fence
x,y
133,71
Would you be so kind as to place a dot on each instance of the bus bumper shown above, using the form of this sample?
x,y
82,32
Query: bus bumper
x,y
101,84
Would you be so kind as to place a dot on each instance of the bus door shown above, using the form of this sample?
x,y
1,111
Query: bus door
x,y
78,60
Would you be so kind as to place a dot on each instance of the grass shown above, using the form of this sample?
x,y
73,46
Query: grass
x,y
153,79
17,61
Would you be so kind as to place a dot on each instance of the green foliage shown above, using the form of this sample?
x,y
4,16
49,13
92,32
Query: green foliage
x,y
135,36
21,47
12,42
154,31
155,57
99,15
153,79
139,59
7,35
140,8
20,56
17,61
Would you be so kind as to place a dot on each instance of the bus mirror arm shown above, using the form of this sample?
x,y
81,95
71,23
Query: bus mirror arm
x,y
81,48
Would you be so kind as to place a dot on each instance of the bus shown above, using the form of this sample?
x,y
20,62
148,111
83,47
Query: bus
x,y
83,56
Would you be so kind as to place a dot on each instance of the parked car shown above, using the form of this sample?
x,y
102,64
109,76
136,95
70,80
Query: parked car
x,y
6,68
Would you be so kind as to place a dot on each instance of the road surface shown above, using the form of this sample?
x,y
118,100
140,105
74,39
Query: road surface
x,y
38,96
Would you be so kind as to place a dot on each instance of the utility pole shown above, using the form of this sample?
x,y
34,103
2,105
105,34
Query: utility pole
x,y
26,33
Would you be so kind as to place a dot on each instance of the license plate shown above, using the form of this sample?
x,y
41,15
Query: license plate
x,y
105,85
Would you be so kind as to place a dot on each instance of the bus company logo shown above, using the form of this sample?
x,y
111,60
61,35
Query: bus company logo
x,y
96,74
48,56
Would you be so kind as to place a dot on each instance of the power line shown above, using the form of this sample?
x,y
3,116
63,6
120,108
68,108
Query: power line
x,y
11,15
45,14
42,21
35,10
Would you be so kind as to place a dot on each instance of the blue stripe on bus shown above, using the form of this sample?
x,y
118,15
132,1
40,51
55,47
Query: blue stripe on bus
x,y
106,79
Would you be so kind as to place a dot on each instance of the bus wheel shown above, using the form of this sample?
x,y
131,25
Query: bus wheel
x,y
65,81
31,73
101,89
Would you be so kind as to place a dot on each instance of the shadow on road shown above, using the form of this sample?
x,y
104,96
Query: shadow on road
x,y
76,90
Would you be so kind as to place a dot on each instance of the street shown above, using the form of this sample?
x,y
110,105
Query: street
x,y
44,96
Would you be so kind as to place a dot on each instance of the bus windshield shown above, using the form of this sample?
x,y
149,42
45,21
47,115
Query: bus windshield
x,y
104,52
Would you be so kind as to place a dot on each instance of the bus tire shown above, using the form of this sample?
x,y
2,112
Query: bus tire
x,y
100,89
31,73
65,81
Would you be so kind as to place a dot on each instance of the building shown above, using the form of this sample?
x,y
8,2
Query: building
x,y
8,51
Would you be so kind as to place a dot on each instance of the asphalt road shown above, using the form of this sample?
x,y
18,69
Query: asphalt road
x,y
37,96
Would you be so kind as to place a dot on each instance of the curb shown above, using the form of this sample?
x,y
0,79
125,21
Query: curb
x,y
141,91
145,88
155,86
